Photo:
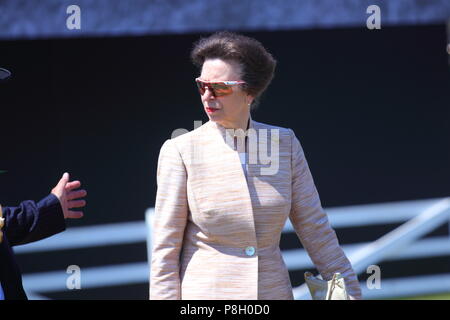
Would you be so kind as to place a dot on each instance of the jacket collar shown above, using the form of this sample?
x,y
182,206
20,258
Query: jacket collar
x,y
224,131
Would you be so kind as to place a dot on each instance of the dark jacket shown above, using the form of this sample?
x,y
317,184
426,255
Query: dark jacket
x,y
28,222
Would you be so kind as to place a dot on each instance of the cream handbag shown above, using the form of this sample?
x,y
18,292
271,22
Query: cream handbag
x,y
333,289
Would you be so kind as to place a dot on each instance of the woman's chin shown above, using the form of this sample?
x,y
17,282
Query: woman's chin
x,y
213,116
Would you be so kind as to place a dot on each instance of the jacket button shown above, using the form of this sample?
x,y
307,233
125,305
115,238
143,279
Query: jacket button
x,y
250,251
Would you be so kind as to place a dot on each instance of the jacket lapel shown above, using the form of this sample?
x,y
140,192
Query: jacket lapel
x,y
223,168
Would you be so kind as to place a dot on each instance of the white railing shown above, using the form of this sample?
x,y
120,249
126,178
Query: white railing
x,y
390,245
422,216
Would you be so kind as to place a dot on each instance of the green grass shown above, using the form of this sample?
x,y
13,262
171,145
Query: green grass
x,y
441,296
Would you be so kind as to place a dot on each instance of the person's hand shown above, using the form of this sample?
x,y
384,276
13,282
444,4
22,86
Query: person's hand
x,y
69,197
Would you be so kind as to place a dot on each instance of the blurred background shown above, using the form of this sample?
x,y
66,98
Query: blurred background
x,y
96,89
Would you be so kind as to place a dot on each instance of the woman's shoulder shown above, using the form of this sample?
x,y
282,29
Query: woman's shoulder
x,y
183,139
188,137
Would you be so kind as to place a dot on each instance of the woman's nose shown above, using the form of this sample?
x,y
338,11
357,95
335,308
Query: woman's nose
x,y
208,94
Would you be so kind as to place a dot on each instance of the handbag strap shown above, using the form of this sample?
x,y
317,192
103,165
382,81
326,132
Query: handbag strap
x,y
333,285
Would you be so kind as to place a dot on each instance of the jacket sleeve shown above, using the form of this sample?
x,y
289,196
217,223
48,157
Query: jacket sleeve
x,y
312,226
171,210
32,221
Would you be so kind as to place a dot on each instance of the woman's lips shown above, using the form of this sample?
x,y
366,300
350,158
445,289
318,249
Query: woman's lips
x,y
211,110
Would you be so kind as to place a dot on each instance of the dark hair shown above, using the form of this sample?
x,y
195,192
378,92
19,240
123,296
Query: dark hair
x,y
258,65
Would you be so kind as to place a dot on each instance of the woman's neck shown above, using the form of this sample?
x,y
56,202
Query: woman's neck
x,y
244,124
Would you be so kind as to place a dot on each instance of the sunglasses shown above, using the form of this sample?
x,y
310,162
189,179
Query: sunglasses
x,y
217,88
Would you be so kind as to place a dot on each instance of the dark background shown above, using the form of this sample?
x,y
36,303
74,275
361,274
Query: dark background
x,y
371,109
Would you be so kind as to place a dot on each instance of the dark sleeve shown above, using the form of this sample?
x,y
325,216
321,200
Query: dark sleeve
x,y
32,221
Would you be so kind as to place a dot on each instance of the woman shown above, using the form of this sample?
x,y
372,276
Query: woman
x,y
219,213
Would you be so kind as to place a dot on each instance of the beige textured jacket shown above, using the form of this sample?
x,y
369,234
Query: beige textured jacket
x,y
217,227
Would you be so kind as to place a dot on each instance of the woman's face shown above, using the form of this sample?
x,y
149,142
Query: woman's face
x,y
230,111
